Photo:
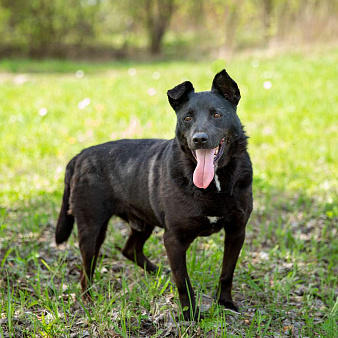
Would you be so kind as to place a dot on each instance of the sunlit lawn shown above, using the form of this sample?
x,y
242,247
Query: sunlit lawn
x,y
49,111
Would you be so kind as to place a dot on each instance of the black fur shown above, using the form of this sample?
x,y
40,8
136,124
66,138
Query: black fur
x,y
149,183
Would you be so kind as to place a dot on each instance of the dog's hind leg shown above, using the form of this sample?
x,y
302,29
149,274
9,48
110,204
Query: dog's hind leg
x,y
133,249
91,237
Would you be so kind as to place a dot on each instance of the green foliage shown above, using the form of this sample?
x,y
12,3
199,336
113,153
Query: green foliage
x,y
43,25
86,28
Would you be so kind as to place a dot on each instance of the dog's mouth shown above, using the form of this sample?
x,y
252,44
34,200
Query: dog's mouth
x,y
207,161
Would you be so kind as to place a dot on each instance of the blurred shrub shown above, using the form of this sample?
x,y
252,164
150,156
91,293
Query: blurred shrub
x,y
105,28
46,27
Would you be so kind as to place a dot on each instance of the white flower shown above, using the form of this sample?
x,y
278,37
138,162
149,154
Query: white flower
x,y
156,75
151,91
79,74
132,71
267,85
84,103
43,111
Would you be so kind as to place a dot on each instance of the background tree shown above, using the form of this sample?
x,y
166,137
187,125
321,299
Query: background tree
x,y
45,26
267,17
158,14
68,28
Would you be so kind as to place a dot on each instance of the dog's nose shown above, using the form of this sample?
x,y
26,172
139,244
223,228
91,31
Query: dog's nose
x,y
200,138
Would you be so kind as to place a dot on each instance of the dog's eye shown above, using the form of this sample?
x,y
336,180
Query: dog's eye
x,y
217,116
187,118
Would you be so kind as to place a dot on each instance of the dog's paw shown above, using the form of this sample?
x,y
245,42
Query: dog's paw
x,y
229,304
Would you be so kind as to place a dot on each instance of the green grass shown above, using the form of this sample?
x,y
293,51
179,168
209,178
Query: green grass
x,y
286,278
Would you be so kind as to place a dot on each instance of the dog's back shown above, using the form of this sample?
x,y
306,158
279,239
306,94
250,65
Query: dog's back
x,y
110,169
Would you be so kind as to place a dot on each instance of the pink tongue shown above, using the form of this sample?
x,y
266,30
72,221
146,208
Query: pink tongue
x,y
204,172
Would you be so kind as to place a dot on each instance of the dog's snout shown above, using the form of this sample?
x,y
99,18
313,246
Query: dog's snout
x,y
200,138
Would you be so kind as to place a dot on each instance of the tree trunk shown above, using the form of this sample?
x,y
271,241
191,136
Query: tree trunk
x,y
267,8
231,24
158,14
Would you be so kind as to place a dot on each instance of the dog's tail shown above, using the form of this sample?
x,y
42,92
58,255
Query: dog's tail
x,y
65,222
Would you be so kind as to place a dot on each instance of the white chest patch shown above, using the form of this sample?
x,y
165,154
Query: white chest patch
x,y
218,183
213,219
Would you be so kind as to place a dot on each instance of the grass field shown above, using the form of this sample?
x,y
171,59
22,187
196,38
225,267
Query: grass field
x,y
286,279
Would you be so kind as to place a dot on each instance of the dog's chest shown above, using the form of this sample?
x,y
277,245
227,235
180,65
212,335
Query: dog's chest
x,y
210,224
214,214
214,219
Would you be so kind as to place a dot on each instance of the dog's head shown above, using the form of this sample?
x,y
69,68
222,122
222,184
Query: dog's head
x,y
207,124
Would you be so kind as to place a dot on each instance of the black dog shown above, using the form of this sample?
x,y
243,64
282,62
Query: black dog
x,y
193,185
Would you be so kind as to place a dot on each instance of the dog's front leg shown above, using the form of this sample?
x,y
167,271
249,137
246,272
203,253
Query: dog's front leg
x,y
176,251
233,243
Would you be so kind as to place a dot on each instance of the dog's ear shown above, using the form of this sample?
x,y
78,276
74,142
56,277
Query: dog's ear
x,y
225,86
180,94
